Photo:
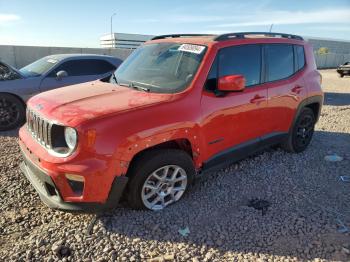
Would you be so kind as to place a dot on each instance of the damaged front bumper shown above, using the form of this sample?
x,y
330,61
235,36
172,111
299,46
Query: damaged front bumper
x,y
50,194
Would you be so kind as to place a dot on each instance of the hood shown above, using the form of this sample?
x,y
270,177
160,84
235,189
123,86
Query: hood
x,y
72,105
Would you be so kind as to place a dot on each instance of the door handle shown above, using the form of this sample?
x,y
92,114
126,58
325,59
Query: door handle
x,y
257,99
297,89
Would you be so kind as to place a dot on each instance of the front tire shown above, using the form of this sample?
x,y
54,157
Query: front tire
x,y
159,178
301,133
12,112
341,75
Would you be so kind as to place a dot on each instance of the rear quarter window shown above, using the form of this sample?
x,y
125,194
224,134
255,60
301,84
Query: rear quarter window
x,y
300,55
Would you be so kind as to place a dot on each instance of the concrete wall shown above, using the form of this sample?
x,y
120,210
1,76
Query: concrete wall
x,y
331,60
334,46
19,56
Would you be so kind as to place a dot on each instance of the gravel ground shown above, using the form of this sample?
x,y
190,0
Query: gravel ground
x,y
307,200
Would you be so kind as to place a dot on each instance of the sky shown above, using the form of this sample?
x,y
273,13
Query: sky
x,y
80,23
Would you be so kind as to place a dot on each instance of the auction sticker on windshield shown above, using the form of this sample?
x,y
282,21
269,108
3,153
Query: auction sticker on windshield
x,y
197,49
52,61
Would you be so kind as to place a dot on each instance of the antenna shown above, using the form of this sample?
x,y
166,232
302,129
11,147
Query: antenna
x,y
271,28
112,39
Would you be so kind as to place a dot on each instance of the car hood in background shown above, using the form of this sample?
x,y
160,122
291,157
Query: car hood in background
x,y
72,105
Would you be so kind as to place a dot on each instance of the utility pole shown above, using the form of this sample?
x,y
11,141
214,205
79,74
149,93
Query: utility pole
x,y
112,39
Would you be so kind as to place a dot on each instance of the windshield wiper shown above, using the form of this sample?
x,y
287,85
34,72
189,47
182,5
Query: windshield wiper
x,y
115,78
133,85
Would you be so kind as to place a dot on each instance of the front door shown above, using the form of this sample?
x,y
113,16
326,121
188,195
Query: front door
x,y
236,118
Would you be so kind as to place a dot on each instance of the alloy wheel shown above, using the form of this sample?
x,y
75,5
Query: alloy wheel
x,y
304,131
163,187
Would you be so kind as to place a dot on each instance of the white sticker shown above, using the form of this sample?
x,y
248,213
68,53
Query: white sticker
x,y
52,61
197,49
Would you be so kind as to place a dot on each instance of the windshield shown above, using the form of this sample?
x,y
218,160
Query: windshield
x,y
39,67
161,67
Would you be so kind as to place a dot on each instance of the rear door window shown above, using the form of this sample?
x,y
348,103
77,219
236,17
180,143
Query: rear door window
x,y
280,61
241,60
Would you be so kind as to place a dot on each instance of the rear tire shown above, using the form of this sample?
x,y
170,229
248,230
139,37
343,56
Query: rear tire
x,y
12,112
151,179
341,75
301,133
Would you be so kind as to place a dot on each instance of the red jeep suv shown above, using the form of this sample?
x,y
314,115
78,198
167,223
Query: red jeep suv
x,y
178,106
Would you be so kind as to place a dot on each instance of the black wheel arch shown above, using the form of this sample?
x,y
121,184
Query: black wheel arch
x,y
180,144
314,103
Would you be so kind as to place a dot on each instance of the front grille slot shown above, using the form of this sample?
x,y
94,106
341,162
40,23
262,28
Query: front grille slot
x,y
39,128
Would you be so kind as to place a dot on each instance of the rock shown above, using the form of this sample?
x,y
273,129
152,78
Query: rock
x,y
56,247
40,242
169,257
208,256
345,250
107,249
29,254
60,250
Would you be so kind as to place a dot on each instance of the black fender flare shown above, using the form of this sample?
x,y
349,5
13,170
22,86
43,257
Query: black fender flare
x,y
318,99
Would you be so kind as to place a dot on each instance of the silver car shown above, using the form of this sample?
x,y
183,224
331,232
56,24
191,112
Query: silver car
x,y
50,72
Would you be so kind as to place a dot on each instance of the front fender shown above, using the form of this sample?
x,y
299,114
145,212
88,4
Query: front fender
x,y
147,139
23,88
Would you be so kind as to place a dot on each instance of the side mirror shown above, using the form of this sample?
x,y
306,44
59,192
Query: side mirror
x,y
231,83
61,74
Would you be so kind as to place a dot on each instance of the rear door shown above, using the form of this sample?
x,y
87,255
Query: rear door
x,y
286,87
237,117
78,71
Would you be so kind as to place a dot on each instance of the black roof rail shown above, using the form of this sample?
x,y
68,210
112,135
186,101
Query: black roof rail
x,y
178,35
241,35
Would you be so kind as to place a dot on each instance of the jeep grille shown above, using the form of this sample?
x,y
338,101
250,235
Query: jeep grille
x,y
39,128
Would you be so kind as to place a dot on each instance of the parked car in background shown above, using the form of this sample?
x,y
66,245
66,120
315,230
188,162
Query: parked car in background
x,y
177,107
50,72
344,69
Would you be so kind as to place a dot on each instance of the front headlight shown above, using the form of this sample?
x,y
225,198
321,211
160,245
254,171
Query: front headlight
x,y
64,140
71,137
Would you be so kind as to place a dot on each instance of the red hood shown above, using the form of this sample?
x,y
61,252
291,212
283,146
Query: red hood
x,y
72,105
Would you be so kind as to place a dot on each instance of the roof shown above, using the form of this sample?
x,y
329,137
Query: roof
x,y
200,40
207,38
61,57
